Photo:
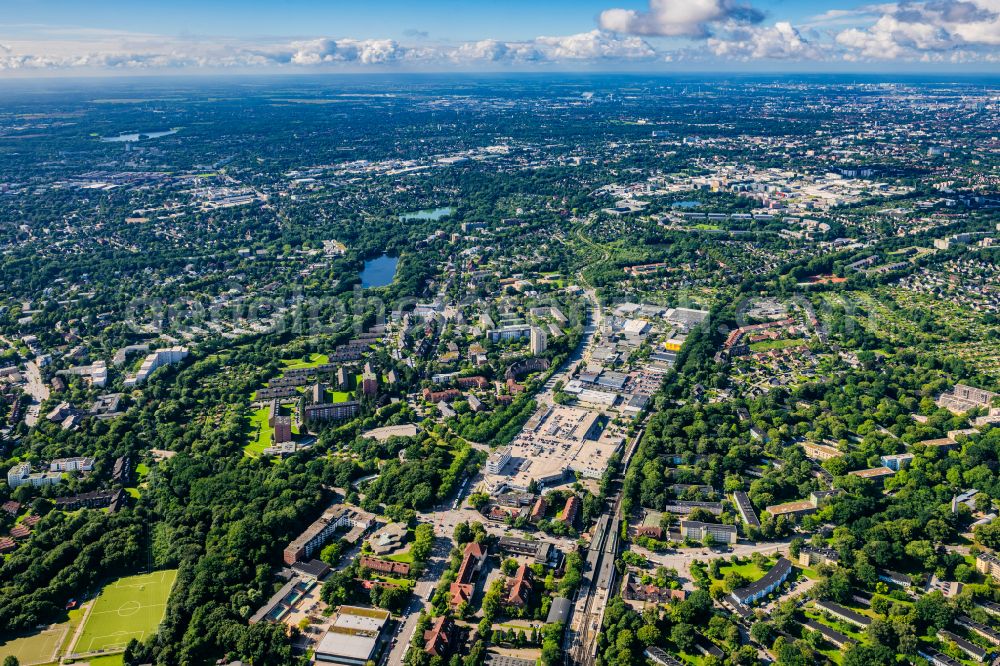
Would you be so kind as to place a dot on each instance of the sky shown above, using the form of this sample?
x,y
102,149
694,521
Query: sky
x,y
116,37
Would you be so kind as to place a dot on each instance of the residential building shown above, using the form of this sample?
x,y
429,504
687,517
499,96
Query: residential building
x,y
962,398
520,588
319,532
793,509
122,472
71,465
988,563
811,556
745,508
895,578
472,562
966,646
942,444
369,382
97,499
820,451
337,411
697,531
775,576
832,636
21,475
570,510
634,590
965,621
878,475
937,658
660,657
441,639
845,614
897,461
155,360
446,395
512,332
478,382
388,567
538,341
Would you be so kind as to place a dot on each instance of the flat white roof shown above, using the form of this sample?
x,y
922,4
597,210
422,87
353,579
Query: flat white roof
x,y
336,644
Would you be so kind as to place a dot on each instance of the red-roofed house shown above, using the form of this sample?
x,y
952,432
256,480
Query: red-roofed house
x,y
20,532
446,395
472,561
538,510
440,639
569,511
519,592
385,566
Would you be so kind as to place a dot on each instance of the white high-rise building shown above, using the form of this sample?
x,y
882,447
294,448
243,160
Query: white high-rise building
x,y
539,341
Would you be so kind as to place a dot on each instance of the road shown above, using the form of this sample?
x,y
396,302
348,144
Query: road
x,y
595,318
36,388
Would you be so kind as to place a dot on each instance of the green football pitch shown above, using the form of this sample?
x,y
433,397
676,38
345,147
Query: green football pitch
x,y
131,607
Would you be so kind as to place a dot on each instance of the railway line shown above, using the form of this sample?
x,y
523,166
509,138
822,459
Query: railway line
x,y
599,577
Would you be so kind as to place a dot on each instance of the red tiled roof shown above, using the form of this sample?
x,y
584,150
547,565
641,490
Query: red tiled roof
x,y
439,638
520,587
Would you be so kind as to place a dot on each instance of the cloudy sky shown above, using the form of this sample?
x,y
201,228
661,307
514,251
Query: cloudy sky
x,y
144,36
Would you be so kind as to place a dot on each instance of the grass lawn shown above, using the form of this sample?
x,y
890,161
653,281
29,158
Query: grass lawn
x,y
404,583
260,433
845,628
106,660
767,345
314,361
341,396
748,570
37,648
808,572
688,658
142,471
834,655
406,557
131,607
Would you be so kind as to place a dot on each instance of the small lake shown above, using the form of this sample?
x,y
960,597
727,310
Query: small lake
x,y
379,272
136,136
433,214
685,204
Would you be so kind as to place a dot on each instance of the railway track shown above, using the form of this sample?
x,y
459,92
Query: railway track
x,y
599,577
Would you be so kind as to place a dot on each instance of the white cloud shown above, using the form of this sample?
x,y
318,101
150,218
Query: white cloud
x,y
779,42
933,31
595,45
678,18
913,30
493,50
367,52
161,53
